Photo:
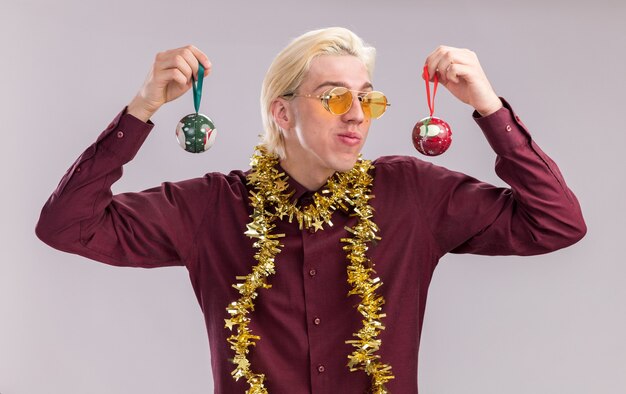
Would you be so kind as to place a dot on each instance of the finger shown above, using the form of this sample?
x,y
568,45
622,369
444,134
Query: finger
x,y
178,62
456,73
189,54
201,58
432,61
444,57
173,59
191,60
443,69
468,73
435,61
194,57
447,57
176,76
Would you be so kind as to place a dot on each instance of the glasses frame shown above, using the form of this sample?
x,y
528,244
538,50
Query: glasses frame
x,y
328,94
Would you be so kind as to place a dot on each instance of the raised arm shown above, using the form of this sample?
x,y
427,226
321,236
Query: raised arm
x,y
537,214
147,229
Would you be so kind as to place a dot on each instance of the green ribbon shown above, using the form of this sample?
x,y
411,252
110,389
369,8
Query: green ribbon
x,y
197,90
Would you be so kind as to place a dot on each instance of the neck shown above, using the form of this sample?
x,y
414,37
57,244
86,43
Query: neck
x,y
308,177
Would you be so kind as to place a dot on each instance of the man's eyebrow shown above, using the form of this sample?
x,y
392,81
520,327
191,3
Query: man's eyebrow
x,y
366,85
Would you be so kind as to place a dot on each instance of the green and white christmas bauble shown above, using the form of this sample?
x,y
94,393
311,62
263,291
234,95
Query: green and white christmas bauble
x,y
196,133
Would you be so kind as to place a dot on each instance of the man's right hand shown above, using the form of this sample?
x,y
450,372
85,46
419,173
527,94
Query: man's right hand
x,y
169,78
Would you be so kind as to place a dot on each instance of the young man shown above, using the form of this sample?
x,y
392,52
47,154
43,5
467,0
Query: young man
x,y
302,229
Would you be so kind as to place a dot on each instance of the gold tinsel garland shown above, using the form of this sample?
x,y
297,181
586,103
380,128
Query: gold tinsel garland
x,y
270,200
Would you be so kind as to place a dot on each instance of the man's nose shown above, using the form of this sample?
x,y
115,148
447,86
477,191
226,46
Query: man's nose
x,y
355,113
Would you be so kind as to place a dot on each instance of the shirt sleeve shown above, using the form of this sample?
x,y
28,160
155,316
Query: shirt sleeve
x,y
537,214
152,228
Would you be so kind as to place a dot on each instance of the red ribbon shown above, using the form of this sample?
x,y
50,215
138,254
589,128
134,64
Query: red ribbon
x,y
431,103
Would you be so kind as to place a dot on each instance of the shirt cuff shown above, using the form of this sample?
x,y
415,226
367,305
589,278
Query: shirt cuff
x,y
503,129
124,136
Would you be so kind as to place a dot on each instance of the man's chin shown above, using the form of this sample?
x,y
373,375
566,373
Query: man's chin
x,y
345,165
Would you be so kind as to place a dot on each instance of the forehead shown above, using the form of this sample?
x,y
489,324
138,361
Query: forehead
x,y
342,70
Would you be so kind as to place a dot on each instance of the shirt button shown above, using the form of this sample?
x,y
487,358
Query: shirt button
x,y
317,321
77,169
508,127
120,134
320,368
313,272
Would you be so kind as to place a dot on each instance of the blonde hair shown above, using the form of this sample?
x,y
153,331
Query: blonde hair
x,y
290,66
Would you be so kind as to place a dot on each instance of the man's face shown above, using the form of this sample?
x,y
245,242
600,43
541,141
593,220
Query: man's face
x,y
320,141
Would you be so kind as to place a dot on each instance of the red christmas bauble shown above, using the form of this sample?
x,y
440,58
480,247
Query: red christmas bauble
x,y
432,136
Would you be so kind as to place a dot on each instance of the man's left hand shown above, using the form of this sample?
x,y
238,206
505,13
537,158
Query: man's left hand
x,y
460,72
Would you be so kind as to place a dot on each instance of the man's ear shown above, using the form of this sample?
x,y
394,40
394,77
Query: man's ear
x,y
281,111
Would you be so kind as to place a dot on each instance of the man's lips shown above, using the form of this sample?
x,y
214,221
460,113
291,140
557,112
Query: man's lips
x,y
350,134
350,138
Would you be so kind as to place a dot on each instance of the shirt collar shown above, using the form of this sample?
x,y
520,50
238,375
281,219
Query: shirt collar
x,y
301,195
300,192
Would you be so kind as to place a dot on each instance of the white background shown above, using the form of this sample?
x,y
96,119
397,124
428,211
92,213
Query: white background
x,y
548,324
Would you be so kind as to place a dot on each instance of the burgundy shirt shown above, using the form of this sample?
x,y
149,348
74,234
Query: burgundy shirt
x,y
424,211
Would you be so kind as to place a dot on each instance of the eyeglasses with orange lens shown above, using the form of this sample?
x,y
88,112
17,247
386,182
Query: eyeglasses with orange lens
x,y
338,100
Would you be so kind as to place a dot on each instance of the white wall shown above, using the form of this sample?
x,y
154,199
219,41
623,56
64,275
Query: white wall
x,y
547,324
